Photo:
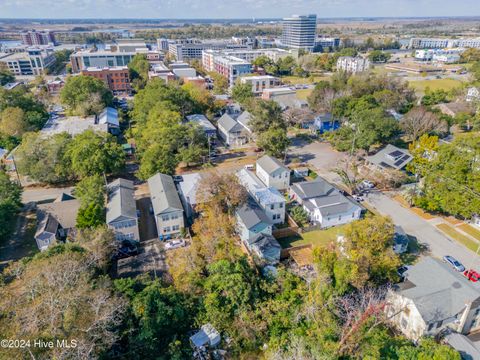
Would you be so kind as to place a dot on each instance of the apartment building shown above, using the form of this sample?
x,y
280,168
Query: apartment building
x,y
260,83
192,49
33,37
324,43
231,67
432,43
34,61
352,65
116,78
299,32
100,59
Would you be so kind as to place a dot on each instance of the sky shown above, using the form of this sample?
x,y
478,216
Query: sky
x,y
190,9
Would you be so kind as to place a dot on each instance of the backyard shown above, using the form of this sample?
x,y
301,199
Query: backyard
x,y
436,84
315,238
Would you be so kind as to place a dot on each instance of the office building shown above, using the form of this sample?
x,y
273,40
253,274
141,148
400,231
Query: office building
x,y
38,38
326,44
116,78
430,43
229,66
162,44
34,61
132,45
260,83
299,32
444,55
352,64
100,59
192,49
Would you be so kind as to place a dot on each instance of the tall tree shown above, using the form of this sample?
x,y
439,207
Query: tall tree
x,y
419,121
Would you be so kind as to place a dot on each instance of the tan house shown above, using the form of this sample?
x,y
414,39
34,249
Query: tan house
x,y
434,297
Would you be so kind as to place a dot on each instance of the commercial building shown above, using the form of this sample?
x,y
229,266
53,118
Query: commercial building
x,y
33,37
432,43
326,44
92,58
192,48
116,78
132,45
161,71
352,64
122,210
299,32
260,83
231,67
34,61
444,55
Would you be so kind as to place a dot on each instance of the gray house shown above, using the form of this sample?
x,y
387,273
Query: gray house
x,y
273,173
56,220
231,131
109,117
265,249
167,207
122,210
390,157
432,298
244,120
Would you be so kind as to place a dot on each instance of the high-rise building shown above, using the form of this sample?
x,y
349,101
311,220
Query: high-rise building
x,y
299,31
38,38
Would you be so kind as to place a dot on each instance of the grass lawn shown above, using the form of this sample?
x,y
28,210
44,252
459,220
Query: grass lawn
x,y
470,230
437,84
303,94
316,238
462,239
301,80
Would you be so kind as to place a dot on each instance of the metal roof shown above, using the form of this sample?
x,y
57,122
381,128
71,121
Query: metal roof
x,y
391,157
251,214
270,164
109,116
164,194
121,201
227,122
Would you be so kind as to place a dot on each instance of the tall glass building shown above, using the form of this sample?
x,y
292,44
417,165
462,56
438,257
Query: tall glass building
x,y
299,31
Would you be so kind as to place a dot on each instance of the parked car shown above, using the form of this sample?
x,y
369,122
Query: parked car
x,y
402,270
400,243
457,265
357,198
177,178
250,167
174,244
367,184
472,275
126,249
258,149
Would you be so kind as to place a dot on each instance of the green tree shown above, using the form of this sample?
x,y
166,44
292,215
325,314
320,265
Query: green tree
x,y
266,115
138,69
10,203
90,216
92,153
299,215
85,95
274,141
242,92
379,56
91,189
475,70
5,77
12,122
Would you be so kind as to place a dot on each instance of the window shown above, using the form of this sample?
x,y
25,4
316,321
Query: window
x,y
272,207
403,323
280,205
165,218
439,324
166,229
174,217
430,327
175,227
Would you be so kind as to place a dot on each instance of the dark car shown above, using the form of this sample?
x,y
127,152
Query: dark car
x,y
126,249
457,265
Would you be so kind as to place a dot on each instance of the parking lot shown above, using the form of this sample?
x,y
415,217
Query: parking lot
x,y
151,259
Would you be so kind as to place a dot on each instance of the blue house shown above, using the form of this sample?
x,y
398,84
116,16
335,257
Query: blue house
x,y
325,123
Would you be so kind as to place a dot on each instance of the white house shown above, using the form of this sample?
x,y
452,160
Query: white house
x,y
122,210
269,198
324,204
231,131
433,297
352,64
473,94
167,207
273,173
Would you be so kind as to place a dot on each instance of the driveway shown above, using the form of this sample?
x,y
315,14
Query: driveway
x,y
438,244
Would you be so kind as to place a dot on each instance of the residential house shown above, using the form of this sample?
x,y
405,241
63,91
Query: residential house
x,y
109,117
325,123
273,173
167,207
187,189
390,157
56,220
204,124
265,249
269,198
434,297
122,210
455,108
232,132
324,203
206,336
466,347
473,94
244,120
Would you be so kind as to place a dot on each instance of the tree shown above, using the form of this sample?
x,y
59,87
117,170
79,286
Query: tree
x,y
12,122
138,68
6,77
274,141
92,153
242,92
299,215
475,70
90,216
266,115
85,95
322,97
10,204
423,150
91,192
470,55
433,97
220,83
419,121
379,56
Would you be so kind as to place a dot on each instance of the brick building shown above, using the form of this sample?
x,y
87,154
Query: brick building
x,y
116,78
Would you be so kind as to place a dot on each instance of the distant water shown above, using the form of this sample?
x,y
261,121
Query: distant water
x,y
10,43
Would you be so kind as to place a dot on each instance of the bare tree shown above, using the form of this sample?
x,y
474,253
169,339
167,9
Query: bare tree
x,y
419,121
348,171
296,116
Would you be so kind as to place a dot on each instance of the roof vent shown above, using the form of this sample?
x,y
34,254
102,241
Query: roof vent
x,y
456,285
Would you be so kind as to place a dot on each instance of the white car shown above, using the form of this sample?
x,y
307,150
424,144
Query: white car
x,y
174,244
357,198
368,184
250,167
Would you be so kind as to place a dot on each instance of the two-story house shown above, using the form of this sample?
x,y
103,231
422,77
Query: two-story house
x,y
273,173
167,207
434,297
122,210
324,203
231,131
269,198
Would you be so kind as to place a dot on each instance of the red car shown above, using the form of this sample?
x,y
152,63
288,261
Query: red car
x,y
472,275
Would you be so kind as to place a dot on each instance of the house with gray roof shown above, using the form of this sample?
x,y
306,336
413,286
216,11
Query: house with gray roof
x,y
205,124
231,131
56,220
265,249
269,198
434,297
122,210
390,157
109,117
167,206
324,203
273,173
187,186
244,120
